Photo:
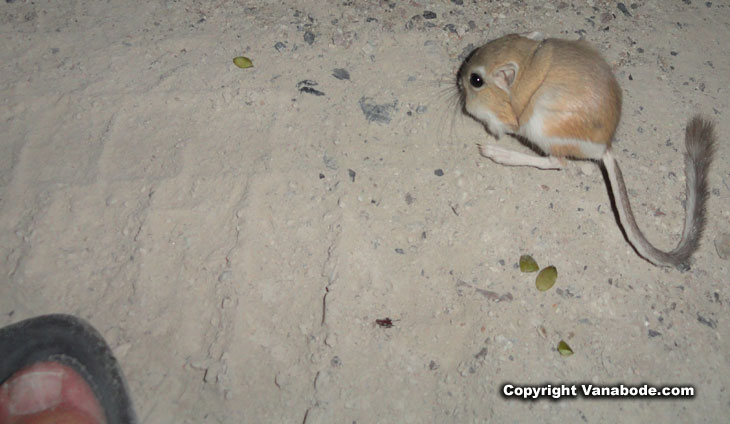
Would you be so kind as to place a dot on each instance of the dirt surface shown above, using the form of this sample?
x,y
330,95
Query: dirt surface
x,y
236,233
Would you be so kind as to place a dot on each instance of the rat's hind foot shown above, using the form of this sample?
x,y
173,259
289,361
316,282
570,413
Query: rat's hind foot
x,y
508,157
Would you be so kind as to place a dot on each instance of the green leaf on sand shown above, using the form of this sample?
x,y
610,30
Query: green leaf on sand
x,y
546,278
527,264
242,62
564,349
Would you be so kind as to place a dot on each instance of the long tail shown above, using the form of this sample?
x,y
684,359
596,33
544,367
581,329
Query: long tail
x,y
700,141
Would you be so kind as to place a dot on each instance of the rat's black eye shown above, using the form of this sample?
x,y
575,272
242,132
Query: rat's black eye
x,y
475,80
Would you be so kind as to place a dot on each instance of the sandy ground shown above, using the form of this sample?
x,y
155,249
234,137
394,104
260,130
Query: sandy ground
x,y
235,235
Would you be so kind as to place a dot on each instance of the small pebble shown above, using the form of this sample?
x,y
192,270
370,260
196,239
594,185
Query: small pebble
x,y
377,112
623,9
707,321
336,361
413,21
307,82
305,86
341,74
482,353
310,90
309,37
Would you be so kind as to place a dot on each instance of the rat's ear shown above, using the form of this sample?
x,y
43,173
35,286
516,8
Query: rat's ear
x,y
505,76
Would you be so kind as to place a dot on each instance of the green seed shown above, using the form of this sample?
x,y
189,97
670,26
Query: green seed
x,y
564,349
546,278
242,62
527,264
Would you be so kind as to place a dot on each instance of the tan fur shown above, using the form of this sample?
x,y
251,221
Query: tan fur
x,y
502,110
511,48
534,67
571,77
566,151
578,126
564,99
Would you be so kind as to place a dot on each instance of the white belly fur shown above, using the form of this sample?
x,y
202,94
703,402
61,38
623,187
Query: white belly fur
x,y
533,131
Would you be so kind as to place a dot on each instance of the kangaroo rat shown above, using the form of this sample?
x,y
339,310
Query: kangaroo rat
x,y
562,97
